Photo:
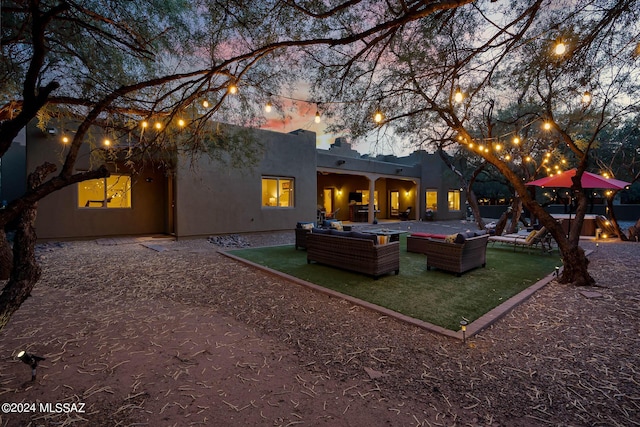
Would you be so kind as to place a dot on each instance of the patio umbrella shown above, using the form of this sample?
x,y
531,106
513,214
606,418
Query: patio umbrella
x,y
589,180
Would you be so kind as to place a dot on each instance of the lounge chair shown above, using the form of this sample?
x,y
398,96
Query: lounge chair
x,y
405,215
537,239
332,215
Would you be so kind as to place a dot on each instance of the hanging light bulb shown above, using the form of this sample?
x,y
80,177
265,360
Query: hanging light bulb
x,y
107,142
268,107
158,125
233,89
65,139
586,97
560,48
547,125
317,119
181,123
205,103
458,97
144,124
516,140
378,116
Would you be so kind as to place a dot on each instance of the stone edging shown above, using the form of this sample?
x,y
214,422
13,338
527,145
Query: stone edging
x,y
473,328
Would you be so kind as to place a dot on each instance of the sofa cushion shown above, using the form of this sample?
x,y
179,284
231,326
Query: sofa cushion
x,y
335,232
366,236
480,232
337,225
430,235
321,230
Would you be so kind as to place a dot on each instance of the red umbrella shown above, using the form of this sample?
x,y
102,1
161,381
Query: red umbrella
x,y
589,180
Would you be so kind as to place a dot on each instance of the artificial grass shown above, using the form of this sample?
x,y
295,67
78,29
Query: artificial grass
x,y
434,296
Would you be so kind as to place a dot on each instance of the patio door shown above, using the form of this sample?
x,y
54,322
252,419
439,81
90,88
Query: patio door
x,y
394,203
328,200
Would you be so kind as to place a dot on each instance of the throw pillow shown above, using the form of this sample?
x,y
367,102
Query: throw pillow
x,y
382,240
307,226
336,225
451,238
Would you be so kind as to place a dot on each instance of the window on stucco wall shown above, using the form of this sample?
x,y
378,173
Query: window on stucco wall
x,y
432,200
111,192
454,200
277,192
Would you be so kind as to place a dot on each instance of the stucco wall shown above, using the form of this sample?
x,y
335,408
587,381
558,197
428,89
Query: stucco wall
x,y
212,198
59,216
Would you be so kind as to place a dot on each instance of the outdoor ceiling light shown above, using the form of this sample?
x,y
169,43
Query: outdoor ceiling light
x,y
31,360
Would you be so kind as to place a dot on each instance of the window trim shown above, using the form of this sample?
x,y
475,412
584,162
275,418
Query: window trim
x,y
278,179
105,206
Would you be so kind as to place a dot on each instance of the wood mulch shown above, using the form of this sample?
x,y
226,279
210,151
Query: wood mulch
x,y
177,334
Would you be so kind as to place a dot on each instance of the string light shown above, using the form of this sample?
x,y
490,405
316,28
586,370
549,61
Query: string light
x,y
516,140
233,89
378,116
65,139
205,103
144,124
107,142
586,97
458,97
560,48
268,107
158,125
547,125
317,119
181,123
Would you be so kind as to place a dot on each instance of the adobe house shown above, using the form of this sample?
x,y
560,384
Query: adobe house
x,y
198,196
420,181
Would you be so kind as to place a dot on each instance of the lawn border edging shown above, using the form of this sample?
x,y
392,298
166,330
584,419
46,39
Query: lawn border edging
x,y
473,328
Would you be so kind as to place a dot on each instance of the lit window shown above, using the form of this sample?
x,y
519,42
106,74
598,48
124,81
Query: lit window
x,y
432,200
111,192
454,200
365,197
277,192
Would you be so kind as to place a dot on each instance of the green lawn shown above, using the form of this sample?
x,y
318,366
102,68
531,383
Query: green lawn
x,y
433,296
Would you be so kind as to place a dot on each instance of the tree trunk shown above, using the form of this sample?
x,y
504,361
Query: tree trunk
x,y
25,272
613,219
573,256
6,256
576,266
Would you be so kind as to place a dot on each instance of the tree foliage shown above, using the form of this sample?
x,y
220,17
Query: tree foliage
x,y
502,58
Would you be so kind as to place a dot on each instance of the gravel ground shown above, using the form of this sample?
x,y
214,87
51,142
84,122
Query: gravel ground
x,y
173,333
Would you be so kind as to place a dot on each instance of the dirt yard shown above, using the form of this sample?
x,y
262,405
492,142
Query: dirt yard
x,y
185,336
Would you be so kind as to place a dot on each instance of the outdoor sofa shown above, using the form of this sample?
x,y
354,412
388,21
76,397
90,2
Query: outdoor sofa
x,y
457,253
353,251
304,228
